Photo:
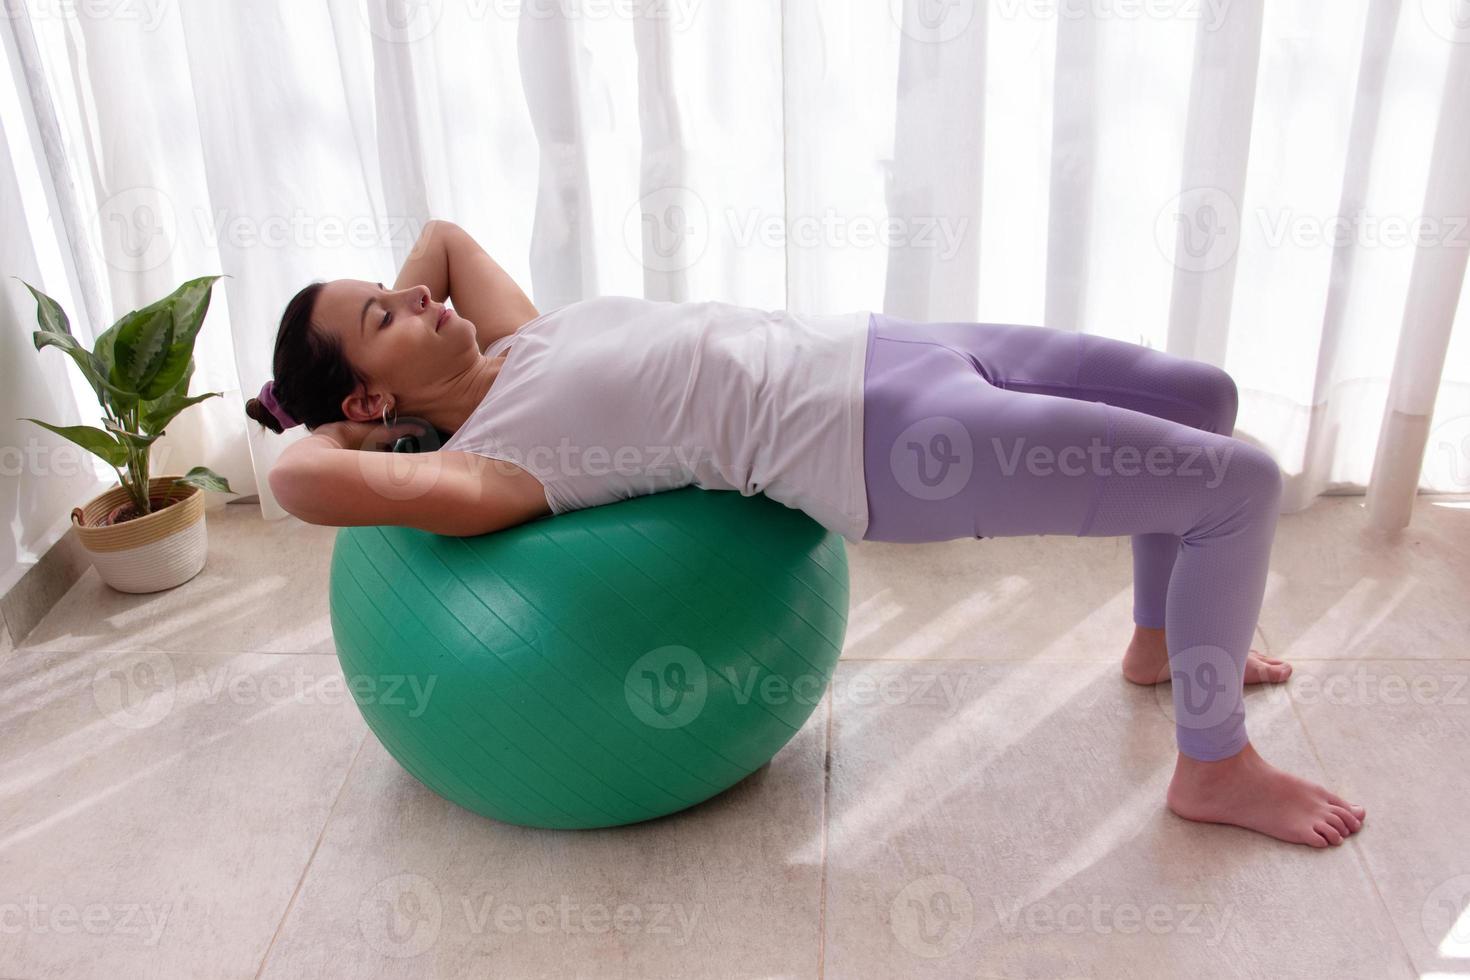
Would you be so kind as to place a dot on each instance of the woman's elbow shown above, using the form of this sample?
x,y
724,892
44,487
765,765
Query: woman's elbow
x,y
289,489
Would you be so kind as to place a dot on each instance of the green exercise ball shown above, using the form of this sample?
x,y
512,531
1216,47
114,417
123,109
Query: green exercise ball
x,y
595,668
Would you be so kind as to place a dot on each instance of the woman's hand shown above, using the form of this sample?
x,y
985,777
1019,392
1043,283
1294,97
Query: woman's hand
x,y
454,267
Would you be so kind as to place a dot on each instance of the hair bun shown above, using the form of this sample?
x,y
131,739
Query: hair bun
x,y
259,413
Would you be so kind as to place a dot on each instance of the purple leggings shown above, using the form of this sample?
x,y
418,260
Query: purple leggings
x,y
996,430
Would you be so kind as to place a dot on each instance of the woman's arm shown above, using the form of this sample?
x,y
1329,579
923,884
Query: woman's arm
x,y
454,266
322,480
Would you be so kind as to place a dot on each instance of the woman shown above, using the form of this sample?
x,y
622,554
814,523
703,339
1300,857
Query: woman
x,y
882,429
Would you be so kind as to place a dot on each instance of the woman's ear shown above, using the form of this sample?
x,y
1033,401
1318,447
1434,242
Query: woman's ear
x,y
365,406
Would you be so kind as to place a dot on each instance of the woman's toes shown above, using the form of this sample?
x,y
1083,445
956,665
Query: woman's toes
x,y
1350,821
1260,669
1352,808
1327,832
1337,823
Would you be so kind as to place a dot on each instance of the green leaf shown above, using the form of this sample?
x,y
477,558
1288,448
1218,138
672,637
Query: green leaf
x,y
104,346
49,314
176,359
56,332
203,476
90,438
188,305
91,367
138,440
180,388
160,413
140,348
121,401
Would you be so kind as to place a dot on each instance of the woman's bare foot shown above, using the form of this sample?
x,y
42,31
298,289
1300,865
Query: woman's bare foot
x,y
1247,791
1147,661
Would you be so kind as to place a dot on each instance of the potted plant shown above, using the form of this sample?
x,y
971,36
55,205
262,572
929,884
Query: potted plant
x,y
146,533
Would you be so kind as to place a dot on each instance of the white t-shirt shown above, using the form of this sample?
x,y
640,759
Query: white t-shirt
x,y
613,397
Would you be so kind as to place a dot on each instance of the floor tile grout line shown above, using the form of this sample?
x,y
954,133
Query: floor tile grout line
x,y
1357,844
822,849
306,868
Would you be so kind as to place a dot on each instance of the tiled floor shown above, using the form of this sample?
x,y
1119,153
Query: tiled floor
x,y
186,789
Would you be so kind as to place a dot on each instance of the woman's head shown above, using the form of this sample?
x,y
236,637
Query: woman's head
x,y
349,349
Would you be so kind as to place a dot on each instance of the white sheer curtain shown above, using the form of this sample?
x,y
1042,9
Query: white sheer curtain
x,y
1279,189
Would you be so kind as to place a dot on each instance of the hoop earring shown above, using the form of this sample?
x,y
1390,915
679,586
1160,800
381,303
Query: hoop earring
x,y
386,423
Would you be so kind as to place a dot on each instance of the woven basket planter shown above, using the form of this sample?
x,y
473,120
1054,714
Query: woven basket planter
x,y
147,554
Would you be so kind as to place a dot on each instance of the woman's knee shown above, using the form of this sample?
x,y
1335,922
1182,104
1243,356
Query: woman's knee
x,y
1218,397
1251,473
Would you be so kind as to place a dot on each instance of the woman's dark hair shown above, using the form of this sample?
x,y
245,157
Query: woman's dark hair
x,y
312,375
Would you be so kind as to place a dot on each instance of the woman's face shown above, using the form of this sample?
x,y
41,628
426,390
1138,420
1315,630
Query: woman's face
x,y
394,339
